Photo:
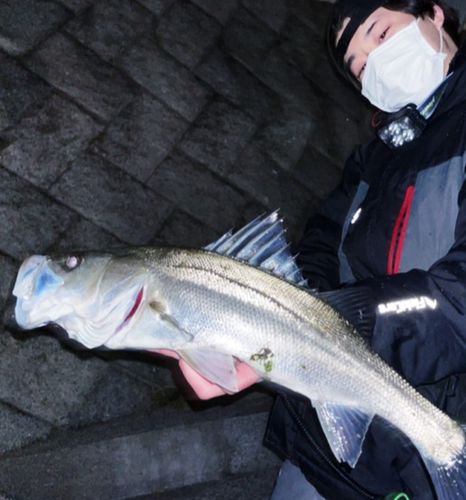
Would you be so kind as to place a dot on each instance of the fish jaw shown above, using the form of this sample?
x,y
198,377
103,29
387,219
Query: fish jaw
x,y
24,284
32,288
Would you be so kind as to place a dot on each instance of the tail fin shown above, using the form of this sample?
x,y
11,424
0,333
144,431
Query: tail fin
x,y
449,480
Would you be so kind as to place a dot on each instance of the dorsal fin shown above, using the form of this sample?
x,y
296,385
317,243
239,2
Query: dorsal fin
x,y
261,243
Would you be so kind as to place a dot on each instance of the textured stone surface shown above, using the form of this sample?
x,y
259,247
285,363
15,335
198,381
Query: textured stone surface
x,y
157,6
288,81
31,221
19,90
317,172
186,32
109,26
41,378
222,11
132,464
142,136
19,429
307,51
201,193
76,5
154,122
112,199
264,181
165,78
151,369
248,39
83,235
23,24
99,87
284,136
181,229
335,133
8,269
302,46
315,14
219,136
115,395
257,485
233,81
274,14
43,143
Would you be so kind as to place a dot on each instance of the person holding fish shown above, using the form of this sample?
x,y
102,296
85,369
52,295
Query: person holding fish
x,y
396,227
385,305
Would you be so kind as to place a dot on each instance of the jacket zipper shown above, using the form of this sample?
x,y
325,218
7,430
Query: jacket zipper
x,y
340,472
399,233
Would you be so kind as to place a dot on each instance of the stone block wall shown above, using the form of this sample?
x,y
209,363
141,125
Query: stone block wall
x,y
147,122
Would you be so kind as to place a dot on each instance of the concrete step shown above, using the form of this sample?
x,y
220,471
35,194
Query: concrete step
x,y
257,485
213,444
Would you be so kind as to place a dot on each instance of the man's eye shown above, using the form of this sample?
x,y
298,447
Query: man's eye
x,y
383,35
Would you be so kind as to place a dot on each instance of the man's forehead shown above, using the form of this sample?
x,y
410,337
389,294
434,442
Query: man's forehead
x,y
354,13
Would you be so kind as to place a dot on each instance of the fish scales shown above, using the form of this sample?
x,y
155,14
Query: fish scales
x,y
260,299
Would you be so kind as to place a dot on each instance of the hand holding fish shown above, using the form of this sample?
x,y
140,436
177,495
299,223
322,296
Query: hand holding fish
x,y
204,389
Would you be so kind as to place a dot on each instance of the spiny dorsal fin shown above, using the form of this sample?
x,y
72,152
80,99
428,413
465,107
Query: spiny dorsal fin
x,y
261,243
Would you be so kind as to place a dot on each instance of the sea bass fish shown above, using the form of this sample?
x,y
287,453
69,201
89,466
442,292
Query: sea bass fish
x,y
241,297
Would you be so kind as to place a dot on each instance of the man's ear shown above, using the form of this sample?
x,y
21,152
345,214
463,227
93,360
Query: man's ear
x,y
439,17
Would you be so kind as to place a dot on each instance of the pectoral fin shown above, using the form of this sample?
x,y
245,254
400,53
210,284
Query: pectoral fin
x,y
345,429
160,311
217,367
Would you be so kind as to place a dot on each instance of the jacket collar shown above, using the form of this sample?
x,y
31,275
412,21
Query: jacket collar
x,y
459,59
456,89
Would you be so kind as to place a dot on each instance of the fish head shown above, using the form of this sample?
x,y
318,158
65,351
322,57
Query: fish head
x,y
92,296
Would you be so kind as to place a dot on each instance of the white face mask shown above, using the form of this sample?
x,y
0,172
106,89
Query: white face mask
x,y
403,70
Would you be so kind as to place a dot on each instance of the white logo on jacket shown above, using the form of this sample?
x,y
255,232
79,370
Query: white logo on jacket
x,y
408,305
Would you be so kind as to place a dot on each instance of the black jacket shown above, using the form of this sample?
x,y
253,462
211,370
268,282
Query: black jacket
x,y
396,225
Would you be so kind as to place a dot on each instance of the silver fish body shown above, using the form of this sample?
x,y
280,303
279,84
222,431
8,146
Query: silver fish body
x,y
210,308
292,338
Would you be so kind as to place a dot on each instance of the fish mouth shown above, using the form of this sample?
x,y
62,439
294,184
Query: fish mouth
x,y
133,310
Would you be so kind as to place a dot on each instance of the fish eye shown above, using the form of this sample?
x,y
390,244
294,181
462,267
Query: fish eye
x,y
71,262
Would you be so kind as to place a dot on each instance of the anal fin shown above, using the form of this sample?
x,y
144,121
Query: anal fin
x,y
215,366
345,428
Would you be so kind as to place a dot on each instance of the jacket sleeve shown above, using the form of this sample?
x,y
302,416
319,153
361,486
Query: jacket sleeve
x,y
318,249
420,323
